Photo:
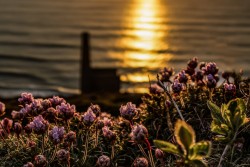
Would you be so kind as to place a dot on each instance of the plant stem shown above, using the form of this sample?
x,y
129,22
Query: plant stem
x,y
43,143
170,97
86,147
112,152
53,155
222,158
143,152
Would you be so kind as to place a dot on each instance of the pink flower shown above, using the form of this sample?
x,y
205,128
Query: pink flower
x,y
182,76
29,164
192,63
2,108
63,155
108,134
95,109
176,86
159,153
6,124
103,161
165,74
140,162
39,125
56,135
26,98
155,89
40,161
56,100
128,111
139,133
88,118
66,110
17,128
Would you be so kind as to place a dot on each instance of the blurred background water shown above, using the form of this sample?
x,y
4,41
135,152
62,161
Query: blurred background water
x,y
40,40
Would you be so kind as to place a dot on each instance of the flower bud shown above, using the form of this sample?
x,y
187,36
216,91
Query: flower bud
x,y
103,161
211,82
6,124
139,134
140,162
155,89
31,144
40,161
108,134
211,68
176,86
46,104
159,153
63,155
229,87
28,129
165,74
29,164
17,128
192,63
56,135
2,108
70,137
182,76
128,111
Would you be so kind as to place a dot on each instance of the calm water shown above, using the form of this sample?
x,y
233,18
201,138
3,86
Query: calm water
x,y
40,40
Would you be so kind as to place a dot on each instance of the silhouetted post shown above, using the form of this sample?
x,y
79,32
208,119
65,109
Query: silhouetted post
x,y
85,61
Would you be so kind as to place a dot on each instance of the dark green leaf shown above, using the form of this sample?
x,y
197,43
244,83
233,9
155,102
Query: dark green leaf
x,y
184,134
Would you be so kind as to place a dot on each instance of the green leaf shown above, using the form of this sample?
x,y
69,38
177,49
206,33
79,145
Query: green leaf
x,y
197,163
167,147
215,112
185,135
201,149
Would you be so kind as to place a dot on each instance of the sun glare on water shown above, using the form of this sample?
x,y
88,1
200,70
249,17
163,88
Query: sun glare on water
x,y
147,38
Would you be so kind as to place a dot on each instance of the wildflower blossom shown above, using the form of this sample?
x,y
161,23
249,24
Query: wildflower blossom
x,y
128,111
103,161
29,164
229,87
139,133
165,74
17,128
56,135
26,98
63,155
95,109
159,153
176,86
211,82
66,110
140,162
46,104
2,108
88,118
70,137
28,129
108,134
6,124
182,77
192,63
40,161
56,100
155,89
211,68
39,125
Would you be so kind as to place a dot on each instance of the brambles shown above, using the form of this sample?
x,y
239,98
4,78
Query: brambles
x,y
51,132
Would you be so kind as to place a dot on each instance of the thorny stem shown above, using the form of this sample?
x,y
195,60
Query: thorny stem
x,y
169,122
170,97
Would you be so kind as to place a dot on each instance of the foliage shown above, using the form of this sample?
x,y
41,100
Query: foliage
x,y
191,153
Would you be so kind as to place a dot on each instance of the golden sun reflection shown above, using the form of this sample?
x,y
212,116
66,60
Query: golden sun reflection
x,y
147,39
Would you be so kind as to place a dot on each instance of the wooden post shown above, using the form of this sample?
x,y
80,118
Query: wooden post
x,y
85,62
